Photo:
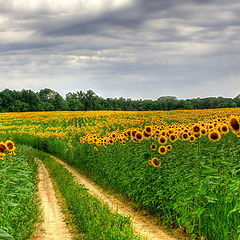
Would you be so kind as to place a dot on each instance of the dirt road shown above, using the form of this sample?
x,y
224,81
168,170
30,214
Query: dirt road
x,y
144,226
52,226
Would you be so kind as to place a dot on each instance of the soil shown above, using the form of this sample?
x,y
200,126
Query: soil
x,y
144,226
52,226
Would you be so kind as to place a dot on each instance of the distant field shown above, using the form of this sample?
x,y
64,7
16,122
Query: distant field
x,y
182,166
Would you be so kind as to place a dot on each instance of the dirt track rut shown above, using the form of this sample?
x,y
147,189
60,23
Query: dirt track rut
x,y
52,226
144,226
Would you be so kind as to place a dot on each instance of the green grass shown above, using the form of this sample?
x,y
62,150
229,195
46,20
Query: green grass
x,y
18,206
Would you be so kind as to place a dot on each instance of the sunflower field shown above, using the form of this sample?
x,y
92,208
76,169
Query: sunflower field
x,y
182,166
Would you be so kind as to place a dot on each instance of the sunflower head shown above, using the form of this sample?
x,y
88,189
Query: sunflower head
x,y
155,162
3,148
146,135
113,135
162,140
224,129
169,147
173,137
128,132
196,128
163,133
153,147
110,141
184,136
234,124
192,138
148,129
138,136
156,132
214,136
203,131
197,135
133,133
10,145
210,127
162,150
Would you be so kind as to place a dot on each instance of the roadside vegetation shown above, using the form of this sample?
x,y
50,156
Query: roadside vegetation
x,y
18,204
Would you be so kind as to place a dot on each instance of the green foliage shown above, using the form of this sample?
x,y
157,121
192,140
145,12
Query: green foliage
x,y
197,187
5,236
18,207
49,100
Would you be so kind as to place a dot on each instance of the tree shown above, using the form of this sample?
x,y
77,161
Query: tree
x,y
237,100
73,102
30,99
90,100
51,100
168,102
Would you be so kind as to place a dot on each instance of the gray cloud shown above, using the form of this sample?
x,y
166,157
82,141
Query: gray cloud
x,y
143,49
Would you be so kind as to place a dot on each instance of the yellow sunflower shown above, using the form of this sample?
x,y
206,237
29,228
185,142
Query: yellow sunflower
x,y
162,140
10,145
162,150
234,124
214,136
155,162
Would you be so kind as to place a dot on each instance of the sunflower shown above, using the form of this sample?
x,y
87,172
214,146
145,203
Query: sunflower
x,y
169,132
146,135
3,148
155,162
148,129
234,124
113,135
138,136
163,133
162,140
196,128
169,147
210,127
224,129
214,136
128,132
157,133
197,135
133,133
125,134
110,141
203,131
184,136
95,149
192,138
10,145
162,150
153,147
173,137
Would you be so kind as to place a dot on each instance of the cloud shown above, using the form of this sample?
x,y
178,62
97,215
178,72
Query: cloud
x,y
133,48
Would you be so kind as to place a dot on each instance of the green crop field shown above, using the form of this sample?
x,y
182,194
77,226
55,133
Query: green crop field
x,y
181,166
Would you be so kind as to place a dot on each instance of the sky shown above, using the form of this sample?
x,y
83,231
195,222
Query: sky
x,y
139,49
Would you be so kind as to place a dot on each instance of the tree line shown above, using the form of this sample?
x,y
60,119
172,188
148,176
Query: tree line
x,y
50,100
